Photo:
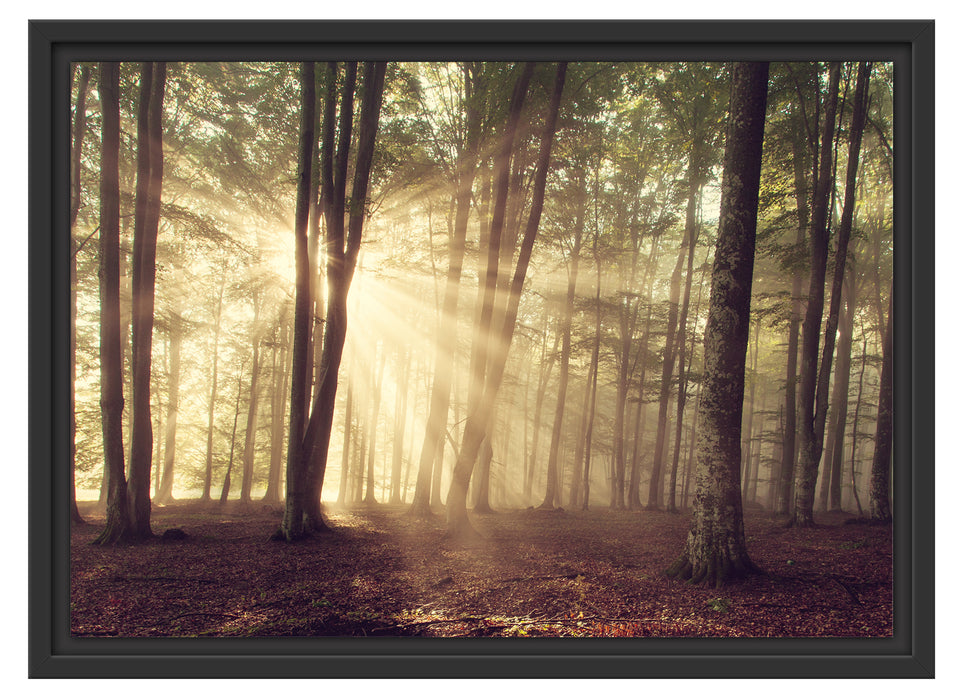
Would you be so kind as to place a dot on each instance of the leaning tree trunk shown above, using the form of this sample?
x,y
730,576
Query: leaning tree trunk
x,y
715,549
477,425
111,379
446,339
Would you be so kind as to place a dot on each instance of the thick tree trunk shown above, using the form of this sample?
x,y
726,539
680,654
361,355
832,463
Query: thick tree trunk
x,y
715,549
296,462
150,150
117,528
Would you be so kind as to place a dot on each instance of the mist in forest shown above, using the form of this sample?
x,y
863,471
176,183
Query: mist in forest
x,y
601,344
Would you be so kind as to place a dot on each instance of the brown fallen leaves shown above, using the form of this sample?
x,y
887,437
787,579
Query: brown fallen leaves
x,y
534,573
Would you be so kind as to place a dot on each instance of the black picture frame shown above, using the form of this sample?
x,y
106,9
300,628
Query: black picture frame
x,y
54,44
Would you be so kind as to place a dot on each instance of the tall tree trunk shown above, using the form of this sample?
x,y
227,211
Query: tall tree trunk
x,y
296,484
111,379
552,468
76,189
150,171
715,550
306,466
477,425
814,394
693,232
446,337
832,498
784,497
686,251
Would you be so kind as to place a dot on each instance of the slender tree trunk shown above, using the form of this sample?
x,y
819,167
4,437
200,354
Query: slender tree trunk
x,y
693,233
76,189
748,437
208,477
225,491
111,379
832,498
879,503
311,454
715,550
280,391
552,468
784,495
249,436
855,425
446,338
164,493
814,395
477,425
399,424
370,497
686,251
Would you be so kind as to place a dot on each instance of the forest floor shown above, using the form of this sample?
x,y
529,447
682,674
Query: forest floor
x,y
533,573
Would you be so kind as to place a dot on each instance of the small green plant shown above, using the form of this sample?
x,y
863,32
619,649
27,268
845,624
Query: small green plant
x,y
854,545
718,604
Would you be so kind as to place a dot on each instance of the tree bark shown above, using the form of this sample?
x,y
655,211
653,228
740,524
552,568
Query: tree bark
x,y
715,550
146,229
111,379
814,395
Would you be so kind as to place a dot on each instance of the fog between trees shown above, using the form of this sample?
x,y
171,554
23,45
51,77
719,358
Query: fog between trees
x,y
479,285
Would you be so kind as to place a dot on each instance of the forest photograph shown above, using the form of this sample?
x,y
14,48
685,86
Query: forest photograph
x,y
472,349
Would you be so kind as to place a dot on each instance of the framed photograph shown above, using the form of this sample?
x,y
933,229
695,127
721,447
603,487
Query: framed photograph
x,y
607,349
